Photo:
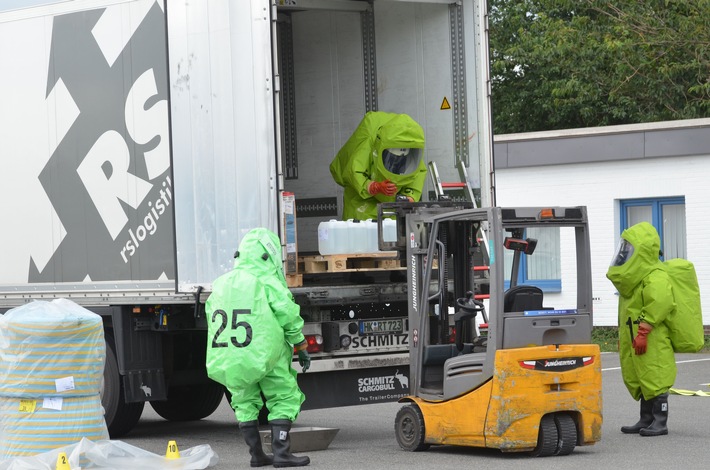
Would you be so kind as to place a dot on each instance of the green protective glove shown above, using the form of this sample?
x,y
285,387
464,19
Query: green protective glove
x,y
304,359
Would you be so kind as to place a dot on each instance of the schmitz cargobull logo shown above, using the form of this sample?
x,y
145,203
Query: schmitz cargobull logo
x,y
109,179
383,387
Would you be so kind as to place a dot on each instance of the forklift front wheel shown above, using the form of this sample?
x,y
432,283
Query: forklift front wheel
x,y
409,429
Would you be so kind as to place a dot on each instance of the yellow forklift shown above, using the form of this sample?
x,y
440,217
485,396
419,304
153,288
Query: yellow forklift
x,y
533,383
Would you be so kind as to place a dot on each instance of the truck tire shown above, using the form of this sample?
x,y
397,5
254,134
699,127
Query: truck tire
x,y
190,402
120,416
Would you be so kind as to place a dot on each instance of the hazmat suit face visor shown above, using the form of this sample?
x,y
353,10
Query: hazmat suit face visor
x,y
623,253
401,161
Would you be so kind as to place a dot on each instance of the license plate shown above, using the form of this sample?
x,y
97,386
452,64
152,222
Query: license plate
x,y
373,327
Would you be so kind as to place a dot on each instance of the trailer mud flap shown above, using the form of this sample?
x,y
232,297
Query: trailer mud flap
x,y
140,358
354,387
144,385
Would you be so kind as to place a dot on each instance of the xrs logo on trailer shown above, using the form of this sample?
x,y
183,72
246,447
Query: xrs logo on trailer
x,y
109,179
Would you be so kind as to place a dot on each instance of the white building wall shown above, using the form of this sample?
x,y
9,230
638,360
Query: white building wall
x,y
600,186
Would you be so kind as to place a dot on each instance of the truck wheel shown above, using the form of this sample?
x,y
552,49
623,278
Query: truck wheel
x,y
409,429
120,416
567,434
547,439
190,402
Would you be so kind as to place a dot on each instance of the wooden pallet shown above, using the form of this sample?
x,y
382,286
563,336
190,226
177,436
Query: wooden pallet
x,y
294,280
380,261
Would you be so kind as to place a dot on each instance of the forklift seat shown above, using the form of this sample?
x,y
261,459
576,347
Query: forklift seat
x,y
521,298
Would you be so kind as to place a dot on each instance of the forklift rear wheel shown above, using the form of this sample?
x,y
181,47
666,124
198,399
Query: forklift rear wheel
x,y
547,438
409,429
566,432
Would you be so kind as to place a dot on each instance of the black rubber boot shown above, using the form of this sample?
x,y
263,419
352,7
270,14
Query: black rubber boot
x,y
281,445
646,418
660,417
250,431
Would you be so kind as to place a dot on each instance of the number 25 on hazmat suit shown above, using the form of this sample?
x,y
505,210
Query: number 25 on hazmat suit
x,y
645,302
382,159
253,326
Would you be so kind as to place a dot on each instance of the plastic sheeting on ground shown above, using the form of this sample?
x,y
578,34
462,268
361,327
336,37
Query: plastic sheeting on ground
x,y
114,455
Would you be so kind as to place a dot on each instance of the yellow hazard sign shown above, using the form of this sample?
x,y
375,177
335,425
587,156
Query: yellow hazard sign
x,y
445,104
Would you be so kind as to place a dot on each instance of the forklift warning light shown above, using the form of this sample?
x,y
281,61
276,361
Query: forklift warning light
x,y
532,313
546,214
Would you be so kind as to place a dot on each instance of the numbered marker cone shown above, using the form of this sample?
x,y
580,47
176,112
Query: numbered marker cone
x,y
172,452
62,462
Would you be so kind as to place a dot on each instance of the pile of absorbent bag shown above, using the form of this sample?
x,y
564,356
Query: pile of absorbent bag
x,y
51,365
52,358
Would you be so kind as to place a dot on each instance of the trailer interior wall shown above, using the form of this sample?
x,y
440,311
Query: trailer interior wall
x,y
414,67
598,168
329,85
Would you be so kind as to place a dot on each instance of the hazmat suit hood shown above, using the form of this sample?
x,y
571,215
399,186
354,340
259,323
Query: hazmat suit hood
x,y
400,132
360,162
644,259
260,253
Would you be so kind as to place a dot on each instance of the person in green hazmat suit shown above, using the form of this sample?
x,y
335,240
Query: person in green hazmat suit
x,y
382,159
253,327
645,302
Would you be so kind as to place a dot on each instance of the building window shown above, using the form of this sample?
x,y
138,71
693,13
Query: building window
x,y
666,214
542,268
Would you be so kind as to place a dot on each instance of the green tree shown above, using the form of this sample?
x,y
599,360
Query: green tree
x,y
559,64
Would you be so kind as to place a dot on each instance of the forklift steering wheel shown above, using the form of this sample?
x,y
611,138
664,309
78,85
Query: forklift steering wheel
x,y
468,307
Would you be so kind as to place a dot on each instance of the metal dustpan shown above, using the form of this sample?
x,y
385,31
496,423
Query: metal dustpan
x,y
303,439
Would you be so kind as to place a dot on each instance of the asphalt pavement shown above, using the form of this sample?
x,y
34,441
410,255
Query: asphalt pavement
x,y
366,439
